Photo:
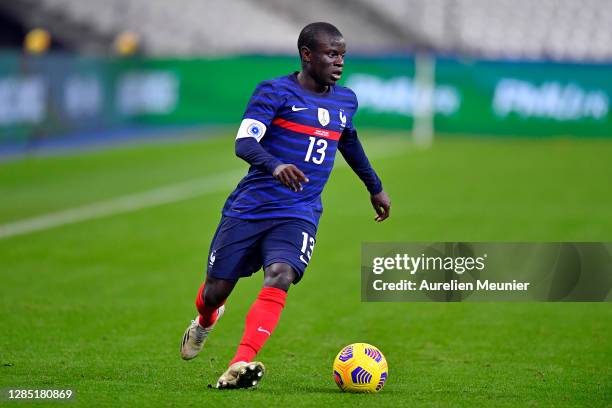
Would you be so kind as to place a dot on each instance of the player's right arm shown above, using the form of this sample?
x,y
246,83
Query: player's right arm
x,y
258,116
251,151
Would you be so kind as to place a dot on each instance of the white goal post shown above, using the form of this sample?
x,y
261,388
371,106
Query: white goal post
x,y
424,111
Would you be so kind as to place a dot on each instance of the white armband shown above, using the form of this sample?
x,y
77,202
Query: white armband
x,y
251,128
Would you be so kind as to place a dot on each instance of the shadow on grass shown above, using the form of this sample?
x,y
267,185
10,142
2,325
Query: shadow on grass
x,y
263,389
295,390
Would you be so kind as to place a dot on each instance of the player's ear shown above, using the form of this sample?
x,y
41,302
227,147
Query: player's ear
x,y
305,53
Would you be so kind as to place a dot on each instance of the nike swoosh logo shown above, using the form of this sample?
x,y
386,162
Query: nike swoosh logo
x,y
293,108
261,329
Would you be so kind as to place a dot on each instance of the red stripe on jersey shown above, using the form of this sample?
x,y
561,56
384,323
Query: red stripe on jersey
x,y
307,130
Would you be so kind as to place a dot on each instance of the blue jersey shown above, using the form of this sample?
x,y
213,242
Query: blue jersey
x,y
298,127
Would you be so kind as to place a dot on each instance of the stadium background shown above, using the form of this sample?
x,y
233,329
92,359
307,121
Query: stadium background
x,y
487,120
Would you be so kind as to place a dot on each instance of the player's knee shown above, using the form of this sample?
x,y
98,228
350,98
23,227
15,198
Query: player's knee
x,y
279,275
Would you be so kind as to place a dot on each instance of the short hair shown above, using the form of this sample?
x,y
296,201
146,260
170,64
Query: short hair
x,y
309,34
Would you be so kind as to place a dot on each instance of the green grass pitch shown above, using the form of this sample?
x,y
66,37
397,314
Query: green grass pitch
x,y
100,306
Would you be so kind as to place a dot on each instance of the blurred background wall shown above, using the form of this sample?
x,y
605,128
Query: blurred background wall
x,y
74,69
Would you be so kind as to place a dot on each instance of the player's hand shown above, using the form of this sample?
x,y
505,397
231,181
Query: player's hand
x,y
290,176
382,205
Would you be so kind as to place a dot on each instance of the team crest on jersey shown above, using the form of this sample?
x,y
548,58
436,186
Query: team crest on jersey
x,y
323,117
342,118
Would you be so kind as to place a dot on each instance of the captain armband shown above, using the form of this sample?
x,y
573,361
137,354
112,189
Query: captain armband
x,y
251,128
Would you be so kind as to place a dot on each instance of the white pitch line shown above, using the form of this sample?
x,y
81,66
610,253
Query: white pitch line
x,y
132,202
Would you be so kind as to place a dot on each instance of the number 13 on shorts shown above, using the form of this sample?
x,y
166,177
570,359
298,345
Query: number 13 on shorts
x,y
308,244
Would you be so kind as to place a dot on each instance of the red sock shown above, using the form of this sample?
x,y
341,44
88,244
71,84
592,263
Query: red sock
x,y
260,323
208,315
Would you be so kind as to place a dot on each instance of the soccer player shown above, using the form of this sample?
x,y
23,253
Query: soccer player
x,y
289,134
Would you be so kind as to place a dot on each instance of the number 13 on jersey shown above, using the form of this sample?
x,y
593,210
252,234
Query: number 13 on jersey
x,y
308,244
320,145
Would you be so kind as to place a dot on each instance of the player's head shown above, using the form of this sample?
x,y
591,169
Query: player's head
x,y
322,49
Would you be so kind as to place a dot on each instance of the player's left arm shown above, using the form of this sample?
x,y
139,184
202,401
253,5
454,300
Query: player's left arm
x,y
352,151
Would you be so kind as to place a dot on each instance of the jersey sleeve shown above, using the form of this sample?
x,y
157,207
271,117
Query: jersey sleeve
x,y
260,111
352,151
349,122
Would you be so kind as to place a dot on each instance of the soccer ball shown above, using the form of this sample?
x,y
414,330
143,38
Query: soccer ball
x,y
360,367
